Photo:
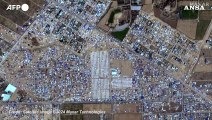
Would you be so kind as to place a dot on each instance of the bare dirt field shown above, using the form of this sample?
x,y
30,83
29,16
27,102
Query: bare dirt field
x,y
104,20
39,2
202,76
124,66
201,66
130,108
133,116
147,8
9,24
97,107
91,117
205,15
188,27
171,22
207,52
148,2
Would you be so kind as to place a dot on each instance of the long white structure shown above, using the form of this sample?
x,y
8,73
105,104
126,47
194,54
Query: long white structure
x,y
121,83
99,75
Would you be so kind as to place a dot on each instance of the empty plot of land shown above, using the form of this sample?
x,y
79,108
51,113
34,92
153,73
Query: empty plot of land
x,y
39,2
171,22
32,6
91,117
207,52
202,27
104,20
188,27
9,24
205,15
97,107
133,116
130,108
148,2
202,67
71,107
147,8
202,76
15,16
125,67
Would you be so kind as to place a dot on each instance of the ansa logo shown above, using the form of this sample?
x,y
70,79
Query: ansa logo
x,y
196,6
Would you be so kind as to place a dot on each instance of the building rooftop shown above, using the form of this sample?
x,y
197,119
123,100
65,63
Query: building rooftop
x,y
10,88
5,97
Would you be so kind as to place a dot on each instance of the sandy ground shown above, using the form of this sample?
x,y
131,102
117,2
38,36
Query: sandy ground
x,y
124,66
130,108
202,76
135,116
97,107
171,22
148,2
188,27
104,20
147,8
205,15
201,67
127,112
10,37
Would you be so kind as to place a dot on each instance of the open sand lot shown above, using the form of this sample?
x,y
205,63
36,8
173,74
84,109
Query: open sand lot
x,y
133,116
124,66
9,24
147,8
148,2
202,76
188,27
129,108
171,22
39,2
104,20
207,52
97,107
202,67
8,37
205,15
91,117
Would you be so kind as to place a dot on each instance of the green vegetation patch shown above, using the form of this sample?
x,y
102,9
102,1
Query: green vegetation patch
x,y
188,14
111,18
120,34
1,53
201,28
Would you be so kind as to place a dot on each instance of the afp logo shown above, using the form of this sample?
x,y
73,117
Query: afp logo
x,y
23,7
